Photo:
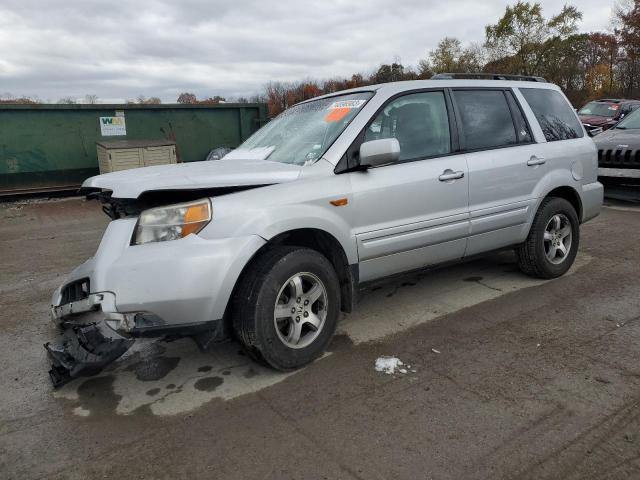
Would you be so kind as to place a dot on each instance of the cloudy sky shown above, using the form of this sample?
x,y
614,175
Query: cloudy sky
x,y
121,49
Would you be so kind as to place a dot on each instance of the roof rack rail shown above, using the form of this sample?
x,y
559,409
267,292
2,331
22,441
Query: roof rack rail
x,y
488,76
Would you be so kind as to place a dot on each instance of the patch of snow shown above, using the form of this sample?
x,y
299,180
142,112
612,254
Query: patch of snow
x,y
389,365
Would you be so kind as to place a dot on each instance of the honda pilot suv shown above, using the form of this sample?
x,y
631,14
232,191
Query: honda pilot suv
x,y
272,242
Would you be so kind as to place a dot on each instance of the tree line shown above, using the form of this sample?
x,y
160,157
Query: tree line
x,y
523,42
586,65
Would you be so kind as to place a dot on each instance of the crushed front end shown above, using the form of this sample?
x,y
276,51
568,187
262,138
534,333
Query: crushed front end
x,y
176,288
89,340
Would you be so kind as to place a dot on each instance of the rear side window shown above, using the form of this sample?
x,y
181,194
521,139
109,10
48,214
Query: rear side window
x,y
486,119
554,114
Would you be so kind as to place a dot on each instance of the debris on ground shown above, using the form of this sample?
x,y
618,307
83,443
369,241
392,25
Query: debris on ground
x,y
389,365
435,351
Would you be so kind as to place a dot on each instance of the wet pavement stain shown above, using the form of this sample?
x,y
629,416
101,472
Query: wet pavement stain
x,y
206,368
208,384
473,279
340,341
98,396
251,372
154,368
226,372
153,391
171,386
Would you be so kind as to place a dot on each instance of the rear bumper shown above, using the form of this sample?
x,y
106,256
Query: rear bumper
x,y
592,198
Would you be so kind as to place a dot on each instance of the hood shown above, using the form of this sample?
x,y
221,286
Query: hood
x,y
193,176
597,120
618,139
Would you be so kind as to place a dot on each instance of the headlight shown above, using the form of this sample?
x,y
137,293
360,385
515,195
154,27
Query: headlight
x,y
172,222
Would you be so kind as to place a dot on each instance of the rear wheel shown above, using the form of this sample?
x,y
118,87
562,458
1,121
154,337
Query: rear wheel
x,y
287,306
552,244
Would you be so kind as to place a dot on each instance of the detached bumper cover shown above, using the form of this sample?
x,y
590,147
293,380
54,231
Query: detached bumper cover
x,y
84,350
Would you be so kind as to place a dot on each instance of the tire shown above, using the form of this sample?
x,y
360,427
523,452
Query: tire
x,y
536,256
301,331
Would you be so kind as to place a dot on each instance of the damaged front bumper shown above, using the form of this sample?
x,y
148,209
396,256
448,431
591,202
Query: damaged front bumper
x,y
92,337
84,350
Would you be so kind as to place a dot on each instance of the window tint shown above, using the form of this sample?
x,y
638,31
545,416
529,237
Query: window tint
x,y
522,129
554,114
420,123
486,118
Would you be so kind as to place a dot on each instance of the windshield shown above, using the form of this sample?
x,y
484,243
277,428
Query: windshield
x,y
630,121
599,109
301,134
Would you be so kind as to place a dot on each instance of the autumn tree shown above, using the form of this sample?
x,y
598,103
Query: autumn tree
x,y
187,98
450,56
527,38
628,33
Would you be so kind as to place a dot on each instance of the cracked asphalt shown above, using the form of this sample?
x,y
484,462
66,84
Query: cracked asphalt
x,y
534,380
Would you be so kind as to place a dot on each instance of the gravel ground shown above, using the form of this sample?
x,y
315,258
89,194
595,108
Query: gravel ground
x,y
508,378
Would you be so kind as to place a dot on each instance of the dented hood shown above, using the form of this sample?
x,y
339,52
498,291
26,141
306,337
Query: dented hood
x,y
194,175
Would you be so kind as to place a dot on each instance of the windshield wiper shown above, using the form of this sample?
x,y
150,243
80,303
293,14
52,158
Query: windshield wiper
x,y
621,127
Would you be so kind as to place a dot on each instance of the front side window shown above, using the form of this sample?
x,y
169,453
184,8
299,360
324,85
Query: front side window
x,y
419,122
554,114
486,119
303,133
631,121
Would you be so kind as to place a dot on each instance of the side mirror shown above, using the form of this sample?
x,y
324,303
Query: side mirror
x,y
379,152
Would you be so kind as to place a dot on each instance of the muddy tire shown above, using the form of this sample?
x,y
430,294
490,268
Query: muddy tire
x,y
553,240
286,308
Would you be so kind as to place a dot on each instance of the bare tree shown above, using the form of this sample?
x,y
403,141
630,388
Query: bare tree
x,y
187,97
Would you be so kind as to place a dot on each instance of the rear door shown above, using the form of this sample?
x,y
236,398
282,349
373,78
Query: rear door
x,y
504,165
412,213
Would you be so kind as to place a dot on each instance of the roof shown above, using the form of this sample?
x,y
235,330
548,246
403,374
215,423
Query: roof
x,y
134,143
398,87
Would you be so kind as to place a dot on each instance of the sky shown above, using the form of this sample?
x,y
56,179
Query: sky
x,y
51,49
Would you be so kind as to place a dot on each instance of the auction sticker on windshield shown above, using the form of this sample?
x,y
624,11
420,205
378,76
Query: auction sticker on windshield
x,y
347,104
339,110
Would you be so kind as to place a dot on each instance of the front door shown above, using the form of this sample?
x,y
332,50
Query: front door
x,y
413,213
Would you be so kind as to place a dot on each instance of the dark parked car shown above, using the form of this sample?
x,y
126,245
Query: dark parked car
x,y
619,157
603,114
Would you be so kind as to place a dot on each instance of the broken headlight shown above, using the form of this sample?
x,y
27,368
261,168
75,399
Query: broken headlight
x,y
172,222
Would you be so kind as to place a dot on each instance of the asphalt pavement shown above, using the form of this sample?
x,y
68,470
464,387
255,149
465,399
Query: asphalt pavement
x,y
506,376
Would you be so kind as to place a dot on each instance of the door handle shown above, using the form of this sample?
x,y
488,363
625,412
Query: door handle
x,y
533,161
449,174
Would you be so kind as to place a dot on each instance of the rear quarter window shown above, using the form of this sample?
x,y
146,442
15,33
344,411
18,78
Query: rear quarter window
x,y
554,114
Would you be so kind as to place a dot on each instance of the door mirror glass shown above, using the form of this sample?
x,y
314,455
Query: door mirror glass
x,y
379,152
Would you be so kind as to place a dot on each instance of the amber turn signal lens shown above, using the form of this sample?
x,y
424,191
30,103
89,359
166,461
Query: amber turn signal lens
x,y
195,217
340,202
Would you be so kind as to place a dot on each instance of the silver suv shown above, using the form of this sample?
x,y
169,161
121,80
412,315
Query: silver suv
x,y
272,242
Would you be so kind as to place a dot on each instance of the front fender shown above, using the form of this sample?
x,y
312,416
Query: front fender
x,y
276,209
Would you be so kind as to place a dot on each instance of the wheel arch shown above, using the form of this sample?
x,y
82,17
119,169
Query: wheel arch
x,y
322,242
571,195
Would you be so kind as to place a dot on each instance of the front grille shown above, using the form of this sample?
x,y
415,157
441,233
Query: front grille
x,y
619,158
75,291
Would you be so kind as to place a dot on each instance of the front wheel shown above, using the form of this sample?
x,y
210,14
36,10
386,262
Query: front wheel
x,y
287,306
552,244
